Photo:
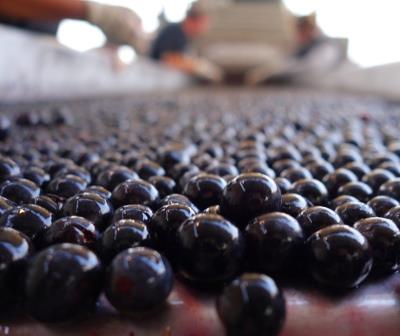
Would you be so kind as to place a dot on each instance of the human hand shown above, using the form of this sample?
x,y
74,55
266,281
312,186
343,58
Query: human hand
x,y
208,71
121,25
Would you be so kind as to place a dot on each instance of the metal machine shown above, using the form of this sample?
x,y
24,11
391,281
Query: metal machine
x,y
247,33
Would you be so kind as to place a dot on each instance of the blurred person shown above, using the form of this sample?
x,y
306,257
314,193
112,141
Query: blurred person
x,y
315,55
173,41
311,41
120,25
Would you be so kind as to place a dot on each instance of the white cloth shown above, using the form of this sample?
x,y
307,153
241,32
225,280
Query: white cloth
x,y
34,67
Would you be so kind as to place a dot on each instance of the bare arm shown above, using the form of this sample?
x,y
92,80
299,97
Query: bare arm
x,y
120,25
179,61
42,10
195,66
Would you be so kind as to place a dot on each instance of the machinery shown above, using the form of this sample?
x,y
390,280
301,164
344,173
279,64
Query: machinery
x,y
247,33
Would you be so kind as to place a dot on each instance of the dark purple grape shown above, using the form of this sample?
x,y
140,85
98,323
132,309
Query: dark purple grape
x,y
248,196
103,192
164,184
319,169
19,190
382,204
358,168
165,223
284,184
66,186
91,206
5,127
8,168
75,171
138,279
293,204
342,200
352,212
15,251
274,242
36,175
209,249
177,199
384,239
336,179
222,169
360,190
312,189
394,215
316,218
63,282
205,190
174,154
5,204
135,192
280,165
123,234
391,188
138,212
243,303
72,229
30,219
339,256
148,168
295,174
110,178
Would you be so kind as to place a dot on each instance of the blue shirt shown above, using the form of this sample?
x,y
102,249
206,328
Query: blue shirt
x,y
172,38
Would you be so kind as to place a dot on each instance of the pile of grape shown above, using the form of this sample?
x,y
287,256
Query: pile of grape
x,y
227,191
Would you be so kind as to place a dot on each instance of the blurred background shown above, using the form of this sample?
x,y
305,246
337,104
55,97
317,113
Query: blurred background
x,y
371,26
61,48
